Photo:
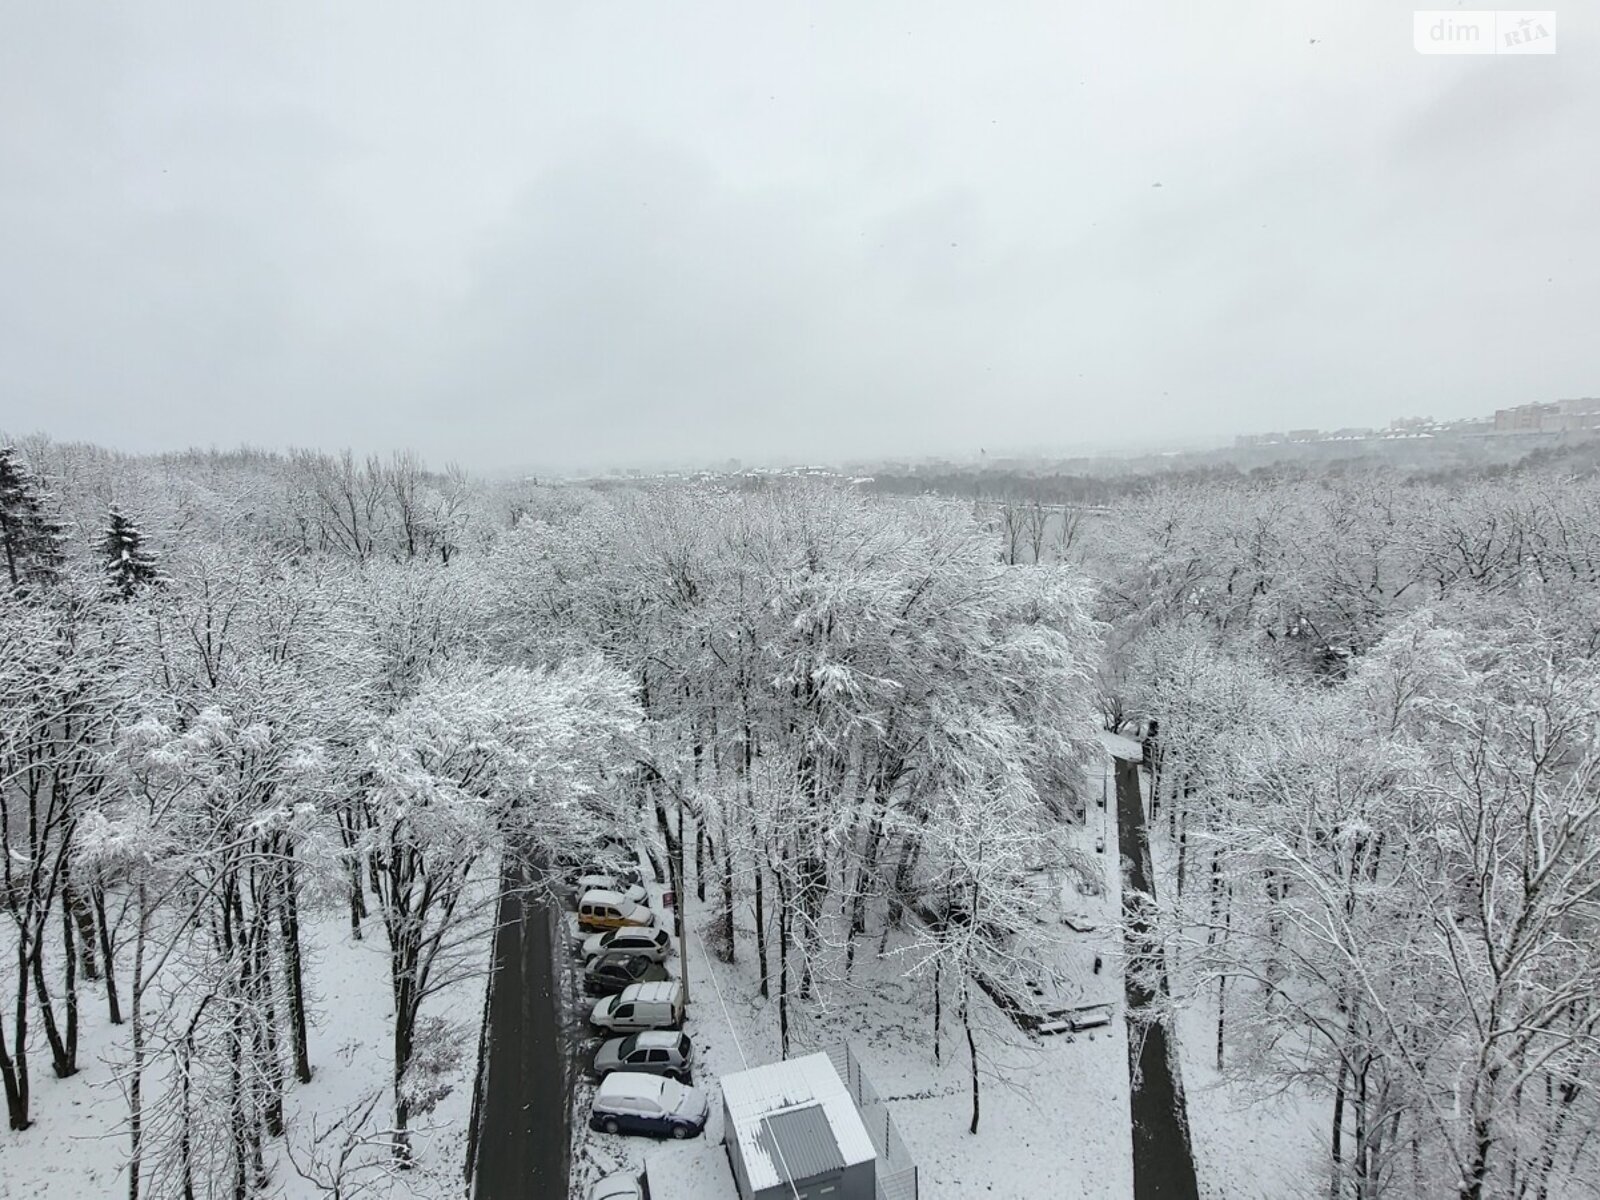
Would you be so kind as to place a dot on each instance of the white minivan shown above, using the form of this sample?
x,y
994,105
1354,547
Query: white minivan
x,y
641,1006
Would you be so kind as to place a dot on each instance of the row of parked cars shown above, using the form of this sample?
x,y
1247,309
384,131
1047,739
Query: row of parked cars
x,y
646,1068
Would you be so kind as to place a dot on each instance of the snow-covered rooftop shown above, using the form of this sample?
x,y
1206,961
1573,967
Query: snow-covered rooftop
x,y
754,1096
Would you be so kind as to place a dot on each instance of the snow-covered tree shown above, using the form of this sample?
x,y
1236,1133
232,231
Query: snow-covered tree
x,y
127,564
482,762
30,535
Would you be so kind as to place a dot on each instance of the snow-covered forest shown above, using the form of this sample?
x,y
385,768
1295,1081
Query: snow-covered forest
x,y
246,694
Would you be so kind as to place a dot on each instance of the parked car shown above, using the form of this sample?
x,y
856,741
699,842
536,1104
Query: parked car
x,y
618,1187
610,973
633,1103
641,1006
622,884
657,943
656,1052
601,909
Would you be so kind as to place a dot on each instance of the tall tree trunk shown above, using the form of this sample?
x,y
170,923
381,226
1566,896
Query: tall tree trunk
x,y
294,974
264,1030
1362,1148
1477,1172
186,1116
972,1052
1336,1145
97,897
1183,855
60,1061
1483,1137
14,1070
699,862
725,933
864,874
238,1114
69,952
136,1074
761,926
405,1028
1547,1151
83,918
1212,936
783,965
348,835
358,901
680,885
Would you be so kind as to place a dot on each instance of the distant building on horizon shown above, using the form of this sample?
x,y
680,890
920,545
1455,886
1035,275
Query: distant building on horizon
x,y
1579,415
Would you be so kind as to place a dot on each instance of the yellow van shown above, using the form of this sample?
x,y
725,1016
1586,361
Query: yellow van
x,y
601,909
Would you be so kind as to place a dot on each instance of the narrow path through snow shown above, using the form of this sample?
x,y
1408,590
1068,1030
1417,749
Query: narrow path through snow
x,y
1163,1162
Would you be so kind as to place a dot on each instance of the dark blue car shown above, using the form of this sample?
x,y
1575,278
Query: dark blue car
x,y
629,1102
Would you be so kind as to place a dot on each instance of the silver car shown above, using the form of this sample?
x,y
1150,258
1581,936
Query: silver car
x,y
655,943
663,1052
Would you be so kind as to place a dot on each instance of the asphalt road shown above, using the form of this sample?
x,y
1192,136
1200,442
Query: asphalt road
x,y
1163,1161
524,1137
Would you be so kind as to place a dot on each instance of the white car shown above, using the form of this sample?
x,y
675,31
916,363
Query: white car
x,y
641,1006
617,1187
655,944
610,883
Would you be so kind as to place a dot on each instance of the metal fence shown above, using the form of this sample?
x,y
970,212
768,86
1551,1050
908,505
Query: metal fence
x,y
896,1169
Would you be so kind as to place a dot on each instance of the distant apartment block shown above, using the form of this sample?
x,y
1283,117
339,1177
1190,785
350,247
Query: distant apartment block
x,y
1580,415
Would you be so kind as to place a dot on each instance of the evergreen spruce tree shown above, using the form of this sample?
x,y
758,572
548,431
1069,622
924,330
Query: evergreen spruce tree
x,y
128,566
30,537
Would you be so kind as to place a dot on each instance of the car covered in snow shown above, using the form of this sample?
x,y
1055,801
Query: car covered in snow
x,y
604,909
625,884
654,1052
628,1102
657,943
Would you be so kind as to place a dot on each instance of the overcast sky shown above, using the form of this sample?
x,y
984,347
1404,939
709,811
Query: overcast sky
x,y
572,234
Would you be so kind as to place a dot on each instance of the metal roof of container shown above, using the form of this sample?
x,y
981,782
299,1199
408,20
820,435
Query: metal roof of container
x,y
801,1142
785,1105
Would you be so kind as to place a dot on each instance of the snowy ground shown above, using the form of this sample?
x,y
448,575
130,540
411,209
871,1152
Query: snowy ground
x,y
1054,1115
78,1144
1054,1109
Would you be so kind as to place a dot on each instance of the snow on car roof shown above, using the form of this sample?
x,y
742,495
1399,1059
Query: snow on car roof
x,y
658,1039
632,1083
663,989
753,1096
601,896
639,933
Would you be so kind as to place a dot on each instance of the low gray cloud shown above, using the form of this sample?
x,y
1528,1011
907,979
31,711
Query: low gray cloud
x,y
583,235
